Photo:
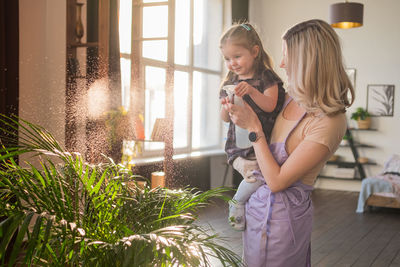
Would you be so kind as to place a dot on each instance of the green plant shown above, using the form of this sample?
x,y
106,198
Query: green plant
x,y
360,113
346,137
72,213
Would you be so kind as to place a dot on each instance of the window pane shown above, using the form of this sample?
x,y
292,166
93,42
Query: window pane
x,y
206,33
182,31
125,81
181,81
155,21
155,101
155,50
125,23
206,121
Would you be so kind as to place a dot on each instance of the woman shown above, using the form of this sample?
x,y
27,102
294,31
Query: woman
x,y
307,132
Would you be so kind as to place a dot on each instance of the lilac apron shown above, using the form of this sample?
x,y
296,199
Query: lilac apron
x,y
279,225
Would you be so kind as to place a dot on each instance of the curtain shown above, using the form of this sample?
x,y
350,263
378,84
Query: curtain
x,y
9,60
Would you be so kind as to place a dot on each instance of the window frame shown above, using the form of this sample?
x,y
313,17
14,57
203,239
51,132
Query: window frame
x,y
139,63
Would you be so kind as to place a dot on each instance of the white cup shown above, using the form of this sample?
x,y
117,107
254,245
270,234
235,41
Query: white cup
x,y
242,140
230,90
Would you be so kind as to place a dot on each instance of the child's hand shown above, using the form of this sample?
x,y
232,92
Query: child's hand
x,y
224,111
244,88
224,101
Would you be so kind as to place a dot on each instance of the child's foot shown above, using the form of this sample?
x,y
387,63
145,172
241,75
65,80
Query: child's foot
x,y
236,215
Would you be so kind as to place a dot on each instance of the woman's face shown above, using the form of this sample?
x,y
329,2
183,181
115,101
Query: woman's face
x,y
284,61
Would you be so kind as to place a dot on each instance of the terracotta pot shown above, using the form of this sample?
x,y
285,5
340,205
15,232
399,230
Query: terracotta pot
x,y
362,160
364,124
334,158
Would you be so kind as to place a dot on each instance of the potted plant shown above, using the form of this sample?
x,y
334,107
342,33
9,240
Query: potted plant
x,y
66,212
362,117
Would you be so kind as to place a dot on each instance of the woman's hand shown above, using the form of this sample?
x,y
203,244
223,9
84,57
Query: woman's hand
x,y
244,88
243,116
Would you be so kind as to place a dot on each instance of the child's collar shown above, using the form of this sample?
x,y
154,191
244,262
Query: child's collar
x,y
256,76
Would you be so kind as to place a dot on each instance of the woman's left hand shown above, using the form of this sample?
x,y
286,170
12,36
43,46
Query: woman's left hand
x,y
243,116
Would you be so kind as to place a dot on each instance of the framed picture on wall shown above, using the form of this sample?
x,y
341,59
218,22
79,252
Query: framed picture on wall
x,y
380,99
351,73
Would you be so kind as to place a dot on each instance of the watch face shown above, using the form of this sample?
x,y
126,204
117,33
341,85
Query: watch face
x,y
252,136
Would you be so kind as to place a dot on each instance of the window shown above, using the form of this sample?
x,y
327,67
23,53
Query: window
x,y
170,54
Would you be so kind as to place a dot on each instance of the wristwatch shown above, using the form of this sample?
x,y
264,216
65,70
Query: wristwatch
x,y
253,136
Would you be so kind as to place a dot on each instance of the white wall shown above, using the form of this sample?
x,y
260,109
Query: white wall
x,y
373,50
42,64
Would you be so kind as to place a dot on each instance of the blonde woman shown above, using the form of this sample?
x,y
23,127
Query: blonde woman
x,y
306,133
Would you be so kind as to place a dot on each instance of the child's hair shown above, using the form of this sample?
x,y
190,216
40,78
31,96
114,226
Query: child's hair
x,y
317,78
244,34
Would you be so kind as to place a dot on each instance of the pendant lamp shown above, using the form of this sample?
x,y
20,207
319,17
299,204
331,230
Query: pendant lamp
x,y
346,15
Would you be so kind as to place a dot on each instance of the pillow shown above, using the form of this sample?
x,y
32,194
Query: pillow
x,y
392,165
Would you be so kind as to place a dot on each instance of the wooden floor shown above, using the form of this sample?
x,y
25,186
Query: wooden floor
x,y
340,236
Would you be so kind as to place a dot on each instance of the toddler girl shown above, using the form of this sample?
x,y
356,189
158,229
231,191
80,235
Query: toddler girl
x,y
252,80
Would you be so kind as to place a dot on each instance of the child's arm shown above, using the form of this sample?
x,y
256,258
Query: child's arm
x,y
266,101
224,113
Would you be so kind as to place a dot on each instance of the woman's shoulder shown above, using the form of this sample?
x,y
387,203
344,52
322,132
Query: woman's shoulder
x,y
336,119
331,123
326,130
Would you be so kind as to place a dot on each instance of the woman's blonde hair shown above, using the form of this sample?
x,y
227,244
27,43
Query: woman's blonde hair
x,y
317,78
244,34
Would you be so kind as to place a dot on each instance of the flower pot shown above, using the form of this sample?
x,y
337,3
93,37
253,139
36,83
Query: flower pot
x,y
362,160
334,158
364,124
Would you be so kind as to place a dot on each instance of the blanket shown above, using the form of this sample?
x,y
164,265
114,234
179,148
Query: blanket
x,y
388,181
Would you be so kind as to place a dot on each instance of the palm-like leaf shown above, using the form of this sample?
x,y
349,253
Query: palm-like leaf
x,y
75,213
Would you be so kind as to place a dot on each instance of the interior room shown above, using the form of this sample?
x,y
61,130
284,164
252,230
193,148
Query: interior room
x,y
137,83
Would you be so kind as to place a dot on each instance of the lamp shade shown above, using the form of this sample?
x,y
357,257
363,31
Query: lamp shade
x,y
346,15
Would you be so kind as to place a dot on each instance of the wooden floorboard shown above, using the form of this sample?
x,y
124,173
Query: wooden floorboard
x,y
389,253
340,237
396,261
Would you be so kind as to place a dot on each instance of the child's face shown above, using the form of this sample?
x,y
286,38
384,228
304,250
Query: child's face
x,y
239,59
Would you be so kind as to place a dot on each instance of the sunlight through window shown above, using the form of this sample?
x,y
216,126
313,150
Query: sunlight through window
x,y
155,100
125,33
155,21
125,26
181,90
182,32
195,64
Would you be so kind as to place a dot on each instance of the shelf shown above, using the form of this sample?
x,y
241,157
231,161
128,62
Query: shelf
x,y
357,129
358,145
339,178
347,164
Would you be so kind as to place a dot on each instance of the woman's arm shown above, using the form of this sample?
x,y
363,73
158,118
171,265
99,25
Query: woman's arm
x,y
266,101
306,155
